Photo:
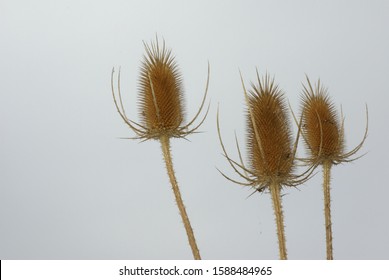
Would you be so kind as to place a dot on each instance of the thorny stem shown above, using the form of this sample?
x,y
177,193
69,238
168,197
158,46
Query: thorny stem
x,y
169,166
275,190
327,207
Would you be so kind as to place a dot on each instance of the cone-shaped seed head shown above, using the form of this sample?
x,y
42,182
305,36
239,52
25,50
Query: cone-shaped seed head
x,y
160,91
269,142
321,129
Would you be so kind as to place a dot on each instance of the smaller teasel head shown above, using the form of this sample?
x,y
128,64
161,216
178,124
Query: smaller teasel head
x,y
160,98
270,146
322,128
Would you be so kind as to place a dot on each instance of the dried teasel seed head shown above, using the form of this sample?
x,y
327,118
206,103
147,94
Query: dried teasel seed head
x,y
160,98
271,151
321,127
269,138
160,91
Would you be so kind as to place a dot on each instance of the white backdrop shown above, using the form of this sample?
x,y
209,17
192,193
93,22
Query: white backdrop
x,y
71,189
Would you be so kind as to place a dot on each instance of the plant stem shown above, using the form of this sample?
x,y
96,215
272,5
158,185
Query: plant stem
x,y
275,190
169,166
327,207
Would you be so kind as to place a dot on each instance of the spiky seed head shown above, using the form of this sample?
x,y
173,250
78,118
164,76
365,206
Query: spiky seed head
x,y
269,136
160,91
321,127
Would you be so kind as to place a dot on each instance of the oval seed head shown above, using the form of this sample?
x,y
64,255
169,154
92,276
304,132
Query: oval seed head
x,y
269,136
321,129
160,92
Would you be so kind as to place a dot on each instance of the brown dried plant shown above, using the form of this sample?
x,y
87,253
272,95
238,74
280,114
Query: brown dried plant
x,y
323,133
271,150
162,113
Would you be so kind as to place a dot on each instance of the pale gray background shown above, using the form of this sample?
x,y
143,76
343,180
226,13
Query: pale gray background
x,y
70,189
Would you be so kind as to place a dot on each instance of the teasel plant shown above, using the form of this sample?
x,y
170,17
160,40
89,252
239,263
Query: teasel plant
x,y
161,106
323,134
270,147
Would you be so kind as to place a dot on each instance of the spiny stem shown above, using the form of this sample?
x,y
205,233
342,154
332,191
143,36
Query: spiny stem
x,y
169,166
327,207
275,190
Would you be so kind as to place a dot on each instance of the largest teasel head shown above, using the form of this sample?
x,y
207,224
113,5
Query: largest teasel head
x,y
323,128
161,100
270,146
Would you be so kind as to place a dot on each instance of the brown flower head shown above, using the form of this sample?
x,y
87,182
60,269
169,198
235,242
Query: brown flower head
x,y
161,100
268,132
160,91
323,130
271,150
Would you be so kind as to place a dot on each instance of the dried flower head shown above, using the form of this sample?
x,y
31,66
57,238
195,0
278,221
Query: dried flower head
x,y
322,129
271,150
161,96
269,138
161,101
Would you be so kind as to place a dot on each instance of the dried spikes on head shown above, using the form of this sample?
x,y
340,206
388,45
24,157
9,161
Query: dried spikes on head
x,y
160,98
269,141
160,90
322,129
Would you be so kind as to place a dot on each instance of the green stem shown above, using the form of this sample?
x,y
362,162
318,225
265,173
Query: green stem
x,y
327,207
169,166
275,190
